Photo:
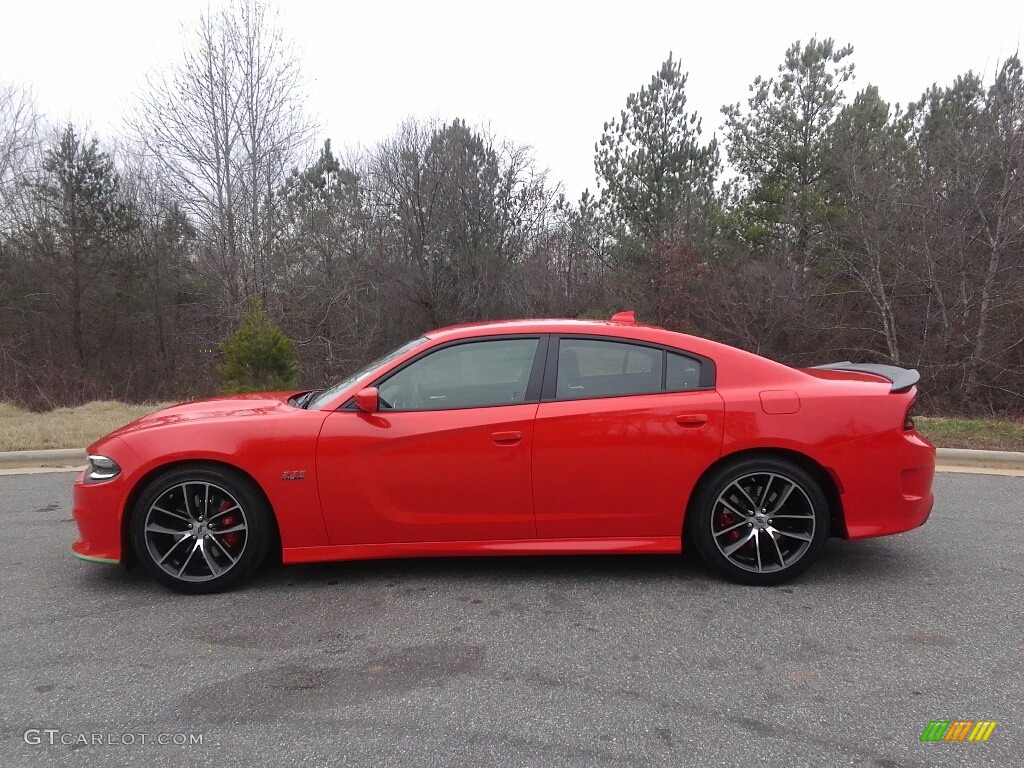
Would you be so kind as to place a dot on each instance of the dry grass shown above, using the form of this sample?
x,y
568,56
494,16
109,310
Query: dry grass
x,y
78,427
981,434
65,427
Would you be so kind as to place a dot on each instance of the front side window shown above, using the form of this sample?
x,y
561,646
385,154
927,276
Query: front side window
x,y
470,375
332,392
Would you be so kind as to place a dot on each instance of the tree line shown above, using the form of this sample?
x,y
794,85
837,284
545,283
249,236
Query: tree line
x,y
822,223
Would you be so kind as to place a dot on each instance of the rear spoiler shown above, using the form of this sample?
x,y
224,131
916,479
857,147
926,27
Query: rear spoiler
x,y
902,379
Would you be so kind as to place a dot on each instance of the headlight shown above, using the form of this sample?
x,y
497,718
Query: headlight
x,y
100,469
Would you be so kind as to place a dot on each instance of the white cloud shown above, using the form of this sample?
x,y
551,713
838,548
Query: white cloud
x,y
546,74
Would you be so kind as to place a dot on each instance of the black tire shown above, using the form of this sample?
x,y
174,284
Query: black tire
x,y
759,520
201,528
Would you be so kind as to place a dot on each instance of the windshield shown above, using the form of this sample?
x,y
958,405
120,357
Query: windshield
x,y
333,391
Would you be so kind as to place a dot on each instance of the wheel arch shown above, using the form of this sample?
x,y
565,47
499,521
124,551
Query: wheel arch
x,y
829,484
128,557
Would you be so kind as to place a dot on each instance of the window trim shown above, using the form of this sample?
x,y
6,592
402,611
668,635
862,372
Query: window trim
x,y
707,376
533,385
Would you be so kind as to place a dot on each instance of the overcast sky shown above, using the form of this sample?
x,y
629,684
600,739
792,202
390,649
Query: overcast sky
x,y
545,74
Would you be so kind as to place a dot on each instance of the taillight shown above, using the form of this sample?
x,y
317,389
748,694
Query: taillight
x,y
908,419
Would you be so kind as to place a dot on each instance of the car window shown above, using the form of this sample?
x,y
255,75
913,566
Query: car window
x,y
682,373
470,375
333,391
592,368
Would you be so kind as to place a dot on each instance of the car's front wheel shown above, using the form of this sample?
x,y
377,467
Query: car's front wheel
x,y
760,520
201,528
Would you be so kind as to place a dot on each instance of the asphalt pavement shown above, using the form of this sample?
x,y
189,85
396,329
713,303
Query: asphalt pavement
x,y
617,661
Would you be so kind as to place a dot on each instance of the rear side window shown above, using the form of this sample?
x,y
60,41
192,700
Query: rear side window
x,y
682,373
589,368
592,368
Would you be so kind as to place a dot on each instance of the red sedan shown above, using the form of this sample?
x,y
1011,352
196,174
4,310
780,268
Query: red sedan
x,y
519,437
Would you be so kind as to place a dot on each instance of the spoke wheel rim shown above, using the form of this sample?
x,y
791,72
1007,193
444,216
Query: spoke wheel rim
x,y
763,522
196,531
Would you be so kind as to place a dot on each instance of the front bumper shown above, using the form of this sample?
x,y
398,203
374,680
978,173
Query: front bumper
x,y
97,509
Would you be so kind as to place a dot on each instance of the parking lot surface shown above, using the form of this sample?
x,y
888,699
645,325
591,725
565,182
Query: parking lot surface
x,y
617,661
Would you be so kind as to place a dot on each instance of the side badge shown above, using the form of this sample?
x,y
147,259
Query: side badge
x,y
294,474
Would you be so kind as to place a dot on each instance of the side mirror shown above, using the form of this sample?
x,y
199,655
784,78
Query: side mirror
x,y
368,400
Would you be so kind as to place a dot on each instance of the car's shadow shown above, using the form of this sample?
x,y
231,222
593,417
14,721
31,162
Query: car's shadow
x,y
873,560
558,568
842,563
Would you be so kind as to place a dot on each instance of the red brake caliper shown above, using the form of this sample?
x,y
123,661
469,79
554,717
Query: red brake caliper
x,y
724,521
232,538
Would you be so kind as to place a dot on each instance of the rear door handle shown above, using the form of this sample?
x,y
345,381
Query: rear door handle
x,y
692,419
506,438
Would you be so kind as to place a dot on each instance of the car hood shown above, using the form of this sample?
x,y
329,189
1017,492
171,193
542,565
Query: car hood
x,y
233,407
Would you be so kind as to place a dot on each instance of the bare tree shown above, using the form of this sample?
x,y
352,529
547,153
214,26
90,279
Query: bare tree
x,y
19,136
872,166
225,124
457,211
970,234
330,302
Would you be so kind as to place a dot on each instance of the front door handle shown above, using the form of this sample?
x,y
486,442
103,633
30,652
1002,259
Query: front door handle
x,y
692,419
506,438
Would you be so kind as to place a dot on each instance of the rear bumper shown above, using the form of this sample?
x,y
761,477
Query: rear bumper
x,y
96,508
885,482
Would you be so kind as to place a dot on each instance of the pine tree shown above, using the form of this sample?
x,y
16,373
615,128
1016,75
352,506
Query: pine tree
x,y
780,147
657,185
650,163
77,242
258,356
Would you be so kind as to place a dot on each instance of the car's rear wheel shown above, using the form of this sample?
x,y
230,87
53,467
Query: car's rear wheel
x,y
201,528
760,520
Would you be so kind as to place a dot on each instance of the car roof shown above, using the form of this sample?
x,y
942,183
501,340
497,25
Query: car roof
x,y
730,361
553,325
